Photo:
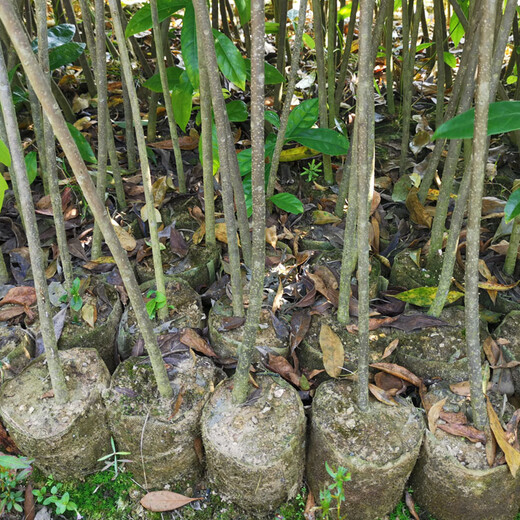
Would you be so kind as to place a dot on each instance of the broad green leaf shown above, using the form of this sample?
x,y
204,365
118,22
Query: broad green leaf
x,y
5,156
11,462
504,116
456,28
142,20
58,35
287,202
189,45
424,296
19,95
83,145
31,165
272,27
272,74
3,188
272,117
182,95
230,61
237,111
512,208
244,157
65,54
511,79
12,72
173,74
323,140
424,46
244,11
301,117
450,60
307,40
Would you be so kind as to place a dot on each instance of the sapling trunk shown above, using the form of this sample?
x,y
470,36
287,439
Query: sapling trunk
x,y
389,28
343,69
331,65
31,229
246,348
280,139
172,125
35,76
512,250
102,96
407,80
322,81
377,30
214,14
438,33
365,168
478,163
145,166
281,35
206,46
50,151
207,148
131,152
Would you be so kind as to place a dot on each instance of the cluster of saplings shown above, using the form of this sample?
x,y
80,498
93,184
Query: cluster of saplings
x,y
253,426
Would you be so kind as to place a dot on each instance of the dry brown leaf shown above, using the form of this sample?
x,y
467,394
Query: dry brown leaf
x,y
418,212
310,506
11,312
327,276
491,350
191,339
454,417
160,501
331,294
126,240
47,395
399,371
389,382
300,323
512,455
277,301
464,430
89,314
382,395
20,296
199,449
321,218
390,348
281,366
178,403
461,388
333,351
410,504
271,236
29,507
434,413
199,234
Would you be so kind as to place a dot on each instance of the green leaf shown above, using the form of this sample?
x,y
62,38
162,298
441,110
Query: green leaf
x,y
424,46
511,79
182,101
272,75
450,60
307,40
19,95
11,462
237,111
173,74
401,188
244,157
5,156
58,35
303,116
323,140
244,11
31,165
424,296
189,45
504,116
287,202
456,28
65,54
230,61
272,27
142,19
272,117
512,208
83,145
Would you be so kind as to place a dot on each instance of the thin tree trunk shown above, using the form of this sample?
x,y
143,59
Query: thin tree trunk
x,y
31,229
331,66
439,110
390,101
280,47
50,107
246,349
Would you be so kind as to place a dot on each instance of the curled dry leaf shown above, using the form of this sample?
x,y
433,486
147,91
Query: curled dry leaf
x,y
277,301
434,414
399,371
321,286
454,417
271,236
191,339
89,314
20,296
327,276
390,348
230,323
410,504
464,430
300,323
160,501
382,395
491,350
512,455
389,382
11,312
281,366
126,240
177,243
333,351
321,218
310,507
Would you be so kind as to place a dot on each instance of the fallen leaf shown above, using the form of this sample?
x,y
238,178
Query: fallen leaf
x,y
300,323
199,449
89,314
418,213
230,323
177,243
461,388
281,366
29,505
47,395
424,296
277,301
491,286
271,237
331,294
160,501
20,296
321,218
382,395
191,339
327,276
491,350
388,381
399,371
199,234
333,351
434,413
454,417
410,504
310,506
390,348
127,241
410,322
464,430
512,455
11,312
159,189
178,403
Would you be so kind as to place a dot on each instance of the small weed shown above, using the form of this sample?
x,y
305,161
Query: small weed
x,y
312,171
13,472
53,494
334,492
73,297
112,459
157,301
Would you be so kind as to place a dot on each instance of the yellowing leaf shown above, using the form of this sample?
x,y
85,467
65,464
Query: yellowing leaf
x,y
512,455
382,395
144,215
418,212
390,348
333,351
490,286
221,233
89,314
424,296
83,123
159,501
159,189
126,240
324,217
434,413
271,237
297,154
199,234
